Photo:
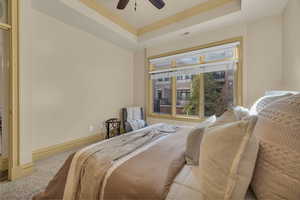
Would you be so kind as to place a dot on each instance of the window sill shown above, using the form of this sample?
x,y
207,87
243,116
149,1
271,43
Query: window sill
x,y
176,118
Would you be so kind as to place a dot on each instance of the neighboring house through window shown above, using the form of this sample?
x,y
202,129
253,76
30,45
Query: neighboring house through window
x,y
196,83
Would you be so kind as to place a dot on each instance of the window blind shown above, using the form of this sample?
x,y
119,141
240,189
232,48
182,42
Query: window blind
x,y
197,53
196,68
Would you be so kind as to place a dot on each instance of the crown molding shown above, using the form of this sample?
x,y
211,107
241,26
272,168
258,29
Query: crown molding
x,y
92,4
180,16
186,14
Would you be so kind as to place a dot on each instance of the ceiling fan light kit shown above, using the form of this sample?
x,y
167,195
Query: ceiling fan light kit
x,y
159,4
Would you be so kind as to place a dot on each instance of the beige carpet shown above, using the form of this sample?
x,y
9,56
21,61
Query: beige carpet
x,y
26,188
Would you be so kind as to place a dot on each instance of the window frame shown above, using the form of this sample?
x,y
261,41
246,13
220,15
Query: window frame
x,y
13,163
238,86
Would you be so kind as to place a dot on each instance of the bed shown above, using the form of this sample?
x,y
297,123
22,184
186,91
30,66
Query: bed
x,y
144,164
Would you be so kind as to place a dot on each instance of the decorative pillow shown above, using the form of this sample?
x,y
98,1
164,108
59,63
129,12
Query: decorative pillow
x,y
226,117
264,101
280,92
194,140
227,160
241,112
277,172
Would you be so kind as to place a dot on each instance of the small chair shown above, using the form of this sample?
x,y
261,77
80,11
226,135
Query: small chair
x,y
130,115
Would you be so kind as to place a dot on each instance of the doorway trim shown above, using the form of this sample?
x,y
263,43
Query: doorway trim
x,y
15,169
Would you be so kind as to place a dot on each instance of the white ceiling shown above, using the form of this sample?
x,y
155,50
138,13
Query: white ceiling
x,y
76,14
146,13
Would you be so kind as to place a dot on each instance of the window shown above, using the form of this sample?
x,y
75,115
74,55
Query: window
x,y
4,12
9,65
196,84
218,92
162,96
187,93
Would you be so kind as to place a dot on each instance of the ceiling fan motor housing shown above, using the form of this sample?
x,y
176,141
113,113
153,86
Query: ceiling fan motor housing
x,y
157,3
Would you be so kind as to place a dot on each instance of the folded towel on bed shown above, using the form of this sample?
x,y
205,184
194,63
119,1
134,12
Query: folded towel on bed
x,y
167,128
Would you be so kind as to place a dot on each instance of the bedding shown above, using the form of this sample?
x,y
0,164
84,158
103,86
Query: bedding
x,y
142,182
194,140
241,112
277,174
90,172
186,187
266,100
227,117
227,160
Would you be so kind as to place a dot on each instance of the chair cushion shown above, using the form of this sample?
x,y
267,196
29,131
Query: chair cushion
x,y
277,172
132,118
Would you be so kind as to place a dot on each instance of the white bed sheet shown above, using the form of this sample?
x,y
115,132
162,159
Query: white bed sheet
x,y
186,187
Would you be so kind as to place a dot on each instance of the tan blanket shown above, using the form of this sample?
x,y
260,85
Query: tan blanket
x,y
56,187
90,165
150,174
83,174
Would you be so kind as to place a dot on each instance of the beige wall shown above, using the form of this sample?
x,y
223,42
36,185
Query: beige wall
x,y
263,57
291,47
69,81
262,67
138,78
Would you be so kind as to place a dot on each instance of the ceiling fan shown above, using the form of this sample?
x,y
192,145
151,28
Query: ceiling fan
x,y
157,3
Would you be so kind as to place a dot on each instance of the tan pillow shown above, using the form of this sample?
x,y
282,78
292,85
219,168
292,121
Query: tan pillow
x,y
192,146
277,172
265,101
226,117
194,140
227,159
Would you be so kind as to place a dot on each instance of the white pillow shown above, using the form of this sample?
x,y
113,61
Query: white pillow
x,y
207,122
241,112
264,101
280,92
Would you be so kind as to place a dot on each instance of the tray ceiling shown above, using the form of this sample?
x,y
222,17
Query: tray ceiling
x,y
194,17
146,13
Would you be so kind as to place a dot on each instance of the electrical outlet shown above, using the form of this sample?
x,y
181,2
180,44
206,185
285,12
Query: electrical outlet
x,y
91,128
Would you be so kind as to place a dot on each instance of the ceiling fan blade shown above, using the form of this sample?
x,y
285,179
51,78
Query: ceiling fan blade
x,y
122,4
158,3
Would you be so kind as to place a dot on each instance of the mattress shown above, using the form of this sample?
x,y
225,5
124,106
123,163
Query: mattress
x,y
186,186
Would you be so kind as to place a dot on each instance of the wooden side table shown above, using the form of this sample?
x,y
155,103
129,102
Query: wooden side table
x,y
113,124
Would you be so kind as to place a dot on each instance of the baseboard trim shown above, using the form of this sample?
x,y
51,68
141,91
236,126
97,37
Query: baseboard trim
x,y
21,171
3,163
52,150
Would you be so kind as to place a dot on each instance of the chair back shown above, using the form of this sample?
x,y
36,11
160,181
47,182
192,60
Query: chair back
x,y
126,125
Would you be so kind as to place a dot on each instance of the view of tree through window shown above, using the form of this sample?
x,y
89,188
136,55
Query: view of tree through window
x,y
203,84
188,93
218,92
